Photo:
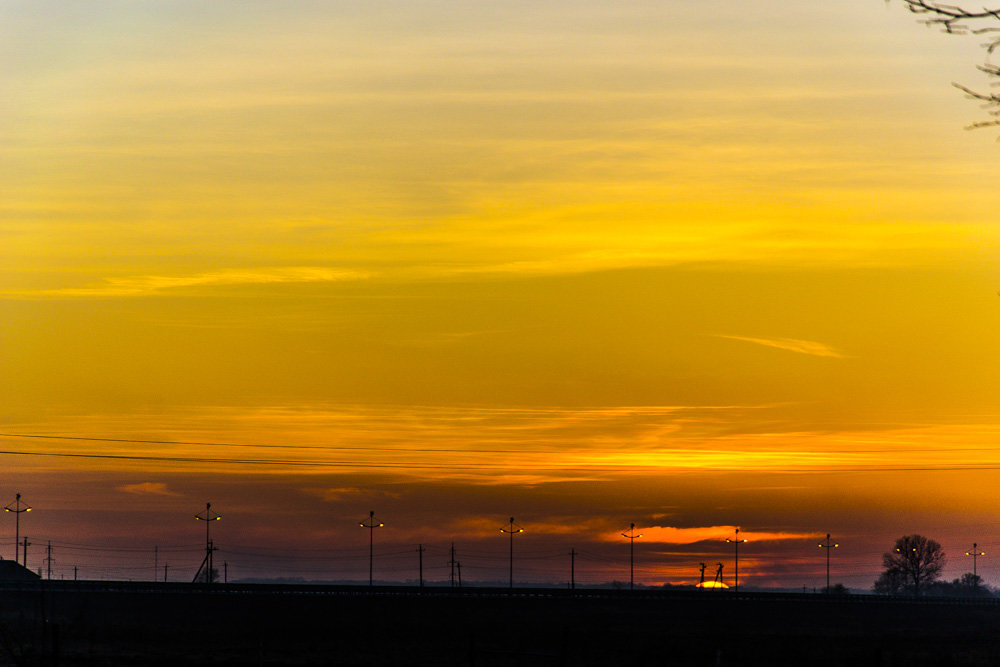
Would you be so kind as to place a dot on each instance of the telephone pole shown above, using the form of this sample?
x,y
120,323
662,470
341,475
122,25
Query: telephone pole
x,y
48,560
632,537
26,545
828,545
17,509
371,526
736,543
206,565
156,561
452,564
572,569
420,556
511,529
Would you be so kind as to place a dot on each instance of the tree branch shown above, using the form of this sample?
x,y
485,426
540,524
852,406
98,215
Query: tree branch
x,y
956,20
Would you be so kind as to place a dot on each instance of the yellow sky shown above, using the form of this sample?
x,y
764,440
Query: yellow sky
x,y
572,245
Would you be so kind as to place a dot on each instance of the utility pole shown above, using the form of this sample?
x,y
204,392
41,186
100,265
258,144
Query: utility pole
x,y
828,545
166,566
16,508
632,537
420,555
225,572
452,564
207,564
511,529
975,553
459,567
156,561
74,573
371,526
24,562
736,542
572,569
48,559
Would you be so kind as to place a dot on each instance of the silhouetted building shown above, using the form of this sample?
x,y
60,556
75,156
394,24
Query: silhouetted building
x,y
11,571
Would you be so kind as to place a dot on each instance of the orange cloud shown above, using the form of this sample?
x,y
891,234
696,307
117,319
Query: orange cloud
x,y
672,535
346,493
148,489
156,284
791,345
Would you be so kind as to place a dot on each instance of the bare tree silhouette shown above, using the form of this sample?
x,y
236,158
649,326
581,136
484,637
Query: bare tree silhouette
x,y
958,20
914,561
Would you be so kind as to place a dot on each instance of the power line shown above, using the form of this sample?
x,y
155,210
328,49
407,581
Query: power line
x,y
355,464
610,467
260,445
465,450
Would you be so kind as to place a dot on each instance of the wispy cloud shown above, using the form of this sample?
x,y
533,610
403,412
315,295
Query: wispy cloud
x,y
501,447
155,284
148,489
347,493
672,535
791,345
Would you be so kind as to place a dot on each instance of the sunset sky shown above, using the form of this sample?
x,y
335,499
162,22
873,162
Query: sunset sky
x,y
693,265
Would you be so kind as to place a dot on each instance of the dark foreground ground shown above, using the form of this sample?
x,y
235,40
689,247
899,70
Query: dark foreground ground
x,y
150,624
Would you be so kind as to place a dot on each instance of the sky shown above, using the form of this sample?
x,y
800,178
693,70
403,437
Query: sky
x,y
693,266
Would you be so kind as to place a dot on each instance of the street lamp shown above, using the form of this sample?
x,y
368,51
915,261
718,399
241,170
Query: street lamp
x,y
371,526
632,537
736,543
975,553
511,529
208,518
828,545
16,508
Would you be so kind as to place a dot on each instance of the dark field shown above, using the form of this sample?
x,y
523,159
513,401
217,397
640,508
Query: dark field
x,y
150,624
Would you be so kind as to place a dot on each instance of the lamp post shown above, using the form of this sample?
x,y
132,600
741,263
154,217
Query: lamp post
x,y
16,508
511,529
632,537
975,553
371,526
208,518
736,543
828,546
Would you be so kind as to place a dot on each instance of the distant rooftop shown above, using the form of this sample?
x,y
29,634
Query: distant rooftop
x,y
11,571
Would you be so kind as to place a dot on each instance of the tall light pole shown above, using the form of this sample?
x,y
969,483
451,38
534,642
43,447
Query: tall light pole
x,y
632,537
371,526
16,508
208,517
736,575
975,553
511,529
828,545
